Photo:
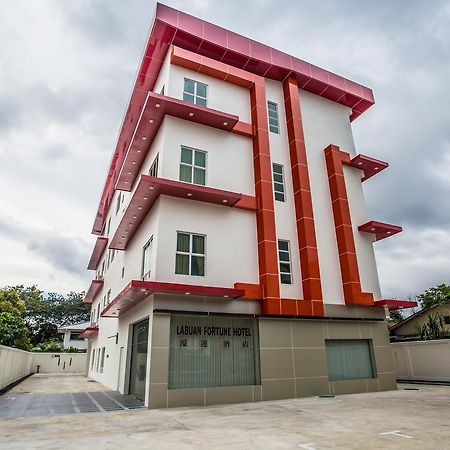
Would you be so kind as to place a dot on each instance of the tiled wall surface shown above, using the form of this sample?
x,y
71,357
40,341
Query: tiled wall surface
x,y
292,358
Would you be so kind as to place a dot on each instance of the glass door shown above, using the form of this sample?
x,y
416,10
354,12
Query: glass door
x,y
139,359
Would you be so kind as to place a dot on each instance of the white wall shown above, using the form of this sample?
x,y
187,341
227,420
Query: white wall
x,y
324,123
222,95
231,246
422,360
58,362
14,365
77,343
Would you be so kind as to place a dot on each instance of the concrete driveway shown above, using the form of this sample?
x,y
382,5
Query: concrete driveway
x,y
403,419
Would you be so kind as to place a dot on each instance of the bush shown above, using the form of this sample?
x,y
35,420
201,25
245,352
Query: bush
x,y
49,347
13,331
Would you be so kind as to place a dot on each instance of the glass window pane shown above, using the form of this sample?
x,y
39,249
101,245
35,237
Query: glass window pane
x,y
285,278
278,178
188,98
277,168
182,264
285,267
198,265
186,173
273,121
284,256
200,159
199,176
283,245
183,242
278,187
273,129
279,196
189,86
198,244
273,115
186,155
200,101
201,90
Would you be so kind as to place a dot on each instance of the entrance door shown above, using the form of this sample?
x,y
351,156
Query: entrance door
x,y
139,359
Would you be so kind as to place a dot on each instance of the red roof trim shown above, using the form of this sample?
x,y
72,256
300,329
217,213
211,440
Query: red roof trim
x,y
381,230
393,304
97,252
93,290
137,291
148,191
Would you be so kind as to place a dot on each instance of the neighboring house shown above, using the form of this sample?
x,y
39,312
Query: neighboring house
x,y
234,257
407,328
71,335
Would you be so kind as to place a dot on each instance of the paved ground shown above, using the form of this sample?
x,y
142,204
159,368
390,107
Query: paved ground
x,y
50,395
404,419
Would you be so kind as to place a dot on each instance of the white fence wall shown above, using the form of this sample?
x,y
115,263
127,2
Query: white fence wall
x,y
422,360
14,365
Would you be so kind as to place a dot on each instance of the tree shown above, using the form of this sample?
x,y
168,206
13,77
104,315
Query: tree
x,y
433,328
46,331
14,331
11,302
395,316
436,295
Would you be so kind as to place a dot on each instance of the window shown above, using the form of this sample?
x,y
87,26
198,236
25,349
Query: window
x,y
118,202
153,171
162,90
146,259
194,92
284,257
209,351
278,182
123,272
272,109
108,297
193,166
190,256
98,311
97,363
108,227
75,336
93,359
349,359
102,359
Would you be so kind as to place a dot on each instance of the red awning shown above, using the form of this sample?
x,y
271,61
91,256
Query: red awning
x,y
93,290
393,304
137,291
147,192
370,166
381,230
89,332
155,109
97,252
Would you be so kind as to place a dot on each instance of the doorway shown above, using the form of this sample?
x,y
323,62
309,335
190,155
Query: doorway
x,y
138,368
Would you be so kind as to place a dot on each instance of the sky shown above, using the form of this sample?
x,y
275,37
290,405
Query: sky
x,y
66,73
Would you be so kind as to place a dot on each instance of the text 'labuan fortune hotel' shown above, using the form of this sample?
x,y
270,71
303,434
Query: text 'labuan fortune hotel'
x,y
234,260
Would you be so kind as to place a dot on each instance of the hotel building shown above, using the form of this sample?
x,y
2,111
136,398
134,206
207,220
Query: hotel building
x,y
234,260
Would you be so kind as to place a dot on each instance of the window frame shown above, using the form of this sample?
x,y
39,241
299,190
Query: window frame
x,y
289,261
273,128
195,94
279,183
190,253
148,244
153,171
192,165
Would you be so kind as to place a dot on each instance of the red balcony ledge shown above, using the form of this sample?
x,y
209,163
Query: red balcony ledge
x,y
93,290
99,248
370,166
89,332
381,230
155,108
137,291
393,304
150,188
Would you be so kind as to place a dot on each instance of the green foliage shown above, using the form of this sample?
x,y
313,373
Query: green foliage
x,y
436,295
44,332
395,316
49,347
14,331
71,350
433,328
42,314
